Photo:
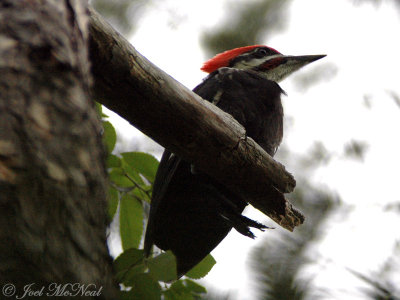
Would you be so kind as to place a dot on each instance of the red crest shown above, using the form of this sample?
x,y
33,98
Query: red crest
x,y
223,59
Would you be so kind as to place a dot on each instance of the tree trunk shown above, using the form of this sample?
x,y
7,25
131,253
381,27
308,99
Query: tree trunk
x,y
52,174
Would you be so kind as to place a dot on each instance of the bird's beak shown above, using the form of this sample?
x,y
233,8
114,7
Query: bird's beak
x,y
279,67
302,60
306,58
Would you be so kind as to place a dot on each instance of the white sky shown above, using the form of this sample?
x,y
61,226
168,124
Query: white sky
x,y
363,42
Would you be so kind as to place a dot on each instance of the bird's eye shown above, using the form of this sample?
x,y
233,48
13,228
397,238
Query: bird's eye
x,y
262,52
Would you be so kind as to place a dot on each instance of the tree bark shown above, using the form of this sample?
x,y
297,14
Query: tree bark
x,y
52,174
187,125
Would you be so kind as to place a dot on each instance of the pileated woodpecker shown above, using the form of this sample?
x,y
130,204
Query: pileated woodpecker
x,y
191,213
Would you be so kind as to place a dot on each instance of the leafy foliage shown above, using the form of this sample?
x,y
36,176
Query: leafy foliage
x,y
356,149
122,14
278,262
109,136
246,24
131,176
381,283
202,268
130,221
144,164
184,290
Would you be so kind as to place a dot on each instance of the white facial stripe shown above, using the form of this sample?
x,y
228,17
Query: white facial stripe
x,y
244,65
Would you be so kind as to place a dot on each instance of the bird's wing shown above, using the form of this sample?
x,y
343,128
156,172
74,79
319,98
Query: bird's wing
x,y
165,172
167,168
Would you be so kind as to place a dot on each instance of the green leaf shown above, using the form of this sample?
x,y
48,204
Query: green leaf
x,y
132,173
140,193
113,161
124,295
117,175
184,290
202,268
194,287
98,107
128,258
143,163
113,198
130,221
178,291
142,190
144,287
128,265
163,267
109,136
